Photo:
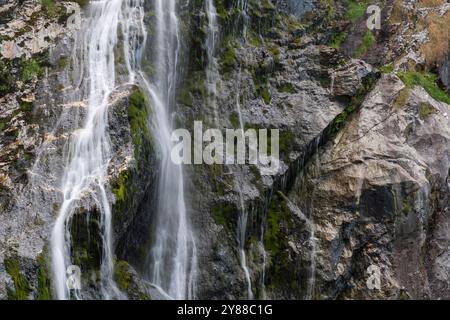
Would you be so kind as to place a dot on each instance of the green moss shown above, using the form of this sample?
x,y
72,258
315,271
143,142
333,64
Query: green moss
x,y
50,7
425,110
62,62
401,99
44,280
427,81
82,3
224,215
287,88
21,286
403,295
387,68
234,119
278,213
275,51
6,78
337,40
355,10
120,189
339,121
265,95
194,85
287,139
367,41
138,119
229,59
30,69
122,275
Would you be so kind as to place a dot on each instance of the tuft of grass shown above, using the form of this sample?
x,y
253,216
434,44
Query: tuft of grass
x,y
356,10
337,40
387,68
286,88
427,81
21,286
44,282
31,69
367,41
49,6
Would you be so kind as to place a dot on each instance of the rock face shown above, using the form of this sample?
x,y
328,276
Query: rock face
x,y
364,182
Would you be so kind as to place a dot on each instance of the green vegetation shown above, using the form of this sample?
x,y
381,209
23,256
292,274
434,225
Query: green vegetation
x,y
138,119
387,68
229,59
44,282
21,286
265,95
401,99
427,81
120,189
6,78
82,3
122,275
234,119
367,41
49,6
356,10
340,120
194,85
287,139
337,40
30,69
224,214
286,88
277,215
425,110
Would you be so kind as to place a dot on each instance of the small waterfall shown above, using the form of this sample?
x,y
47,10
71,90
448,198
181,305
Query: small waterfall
x,y
312,241
241,235
245,19
172,259
89,147
332,83
212,73
243,217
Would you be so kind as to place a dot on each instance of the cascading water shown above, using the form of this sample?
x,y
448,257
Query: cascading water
x,y
172,259
312,236
242,220
212,73
243,8
89,146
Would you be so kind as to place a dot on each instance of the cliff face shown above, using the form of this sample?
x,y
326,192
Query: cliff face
x,y
364,145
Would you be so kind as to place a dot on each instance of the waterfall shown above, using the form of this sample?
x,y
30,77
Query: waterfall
x,y
242,219
241,235
89,146
312,241
243,8
212,73
172,258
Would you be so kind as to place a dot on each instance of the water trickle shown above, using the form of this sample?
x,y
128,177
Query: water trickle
x,y
212,72
312,235
241,236
245,19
